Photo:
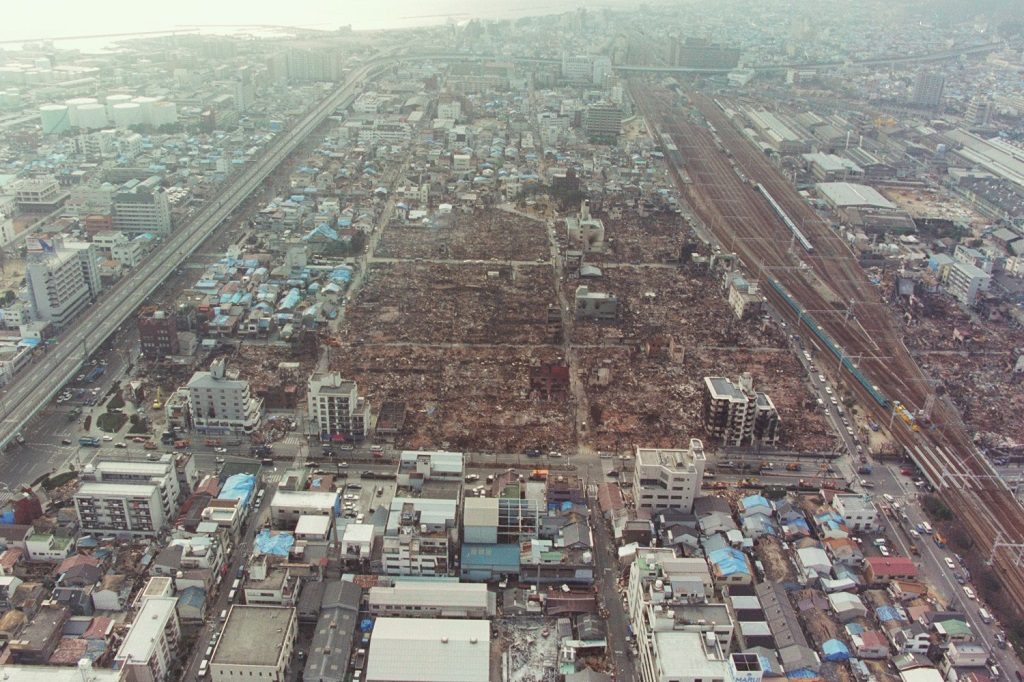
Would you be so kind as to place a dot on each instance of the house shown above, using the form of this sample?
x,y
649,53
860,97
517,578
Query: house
x,y
847,606
813,562
870,644
192,605
912,639
113,593
905,591
845,552
883,569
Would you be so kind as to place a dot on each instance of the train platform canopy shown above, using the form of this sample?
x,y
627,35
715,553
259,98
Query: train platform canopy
x,y
848,194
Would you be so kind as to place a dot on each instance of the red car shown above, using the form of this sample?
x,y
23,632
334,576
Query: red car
x,y
907,471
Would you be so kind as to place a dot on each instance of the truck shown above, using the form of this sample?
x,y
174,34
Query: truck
x,y
793,466
89,441
95,373
377,451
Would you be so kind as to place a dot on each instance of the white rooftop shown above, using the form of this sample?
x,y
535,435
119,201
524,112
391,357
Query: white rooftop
x,y
60,673
146,629
304,499
430,594
851,194
681,656
359,532
90,488
313,525
457,650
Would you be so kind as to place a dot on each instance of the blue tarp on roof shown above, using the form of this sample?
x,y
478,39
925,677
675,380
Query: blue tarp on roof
x,y
751,501
238,487
29,342
729,561
290,300
835,650
887,613
278,545
342,274
322,230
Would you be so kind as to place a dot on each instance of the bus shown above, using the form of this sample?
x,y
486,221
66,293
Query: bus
x,y
89,441
985,616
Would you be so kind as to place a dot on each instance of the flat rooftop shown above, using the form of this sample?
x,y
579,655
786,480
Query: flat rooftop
x,y
117,489
673,459
457,650
146,628
253,635
682,655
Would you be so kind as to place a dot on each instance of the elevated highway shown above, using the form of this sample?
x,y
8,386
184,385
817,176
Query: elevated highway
x,y
41,381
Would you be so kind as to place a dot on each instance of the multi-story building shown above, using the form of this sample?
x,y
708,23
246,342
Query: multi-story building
x,y
120,508
577,68
150,649
858,511
416,467
928,89
965,281
584,231
38,194
256,643
158,333
63,279
220,402
161,474
334,407
594,305
979,111
668,479
271,583
419,536
602,122
737,415
288,505
142,207
697,53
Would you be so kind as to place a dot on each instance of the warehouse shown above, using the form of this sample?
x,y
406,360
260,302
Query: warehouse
x,y
458,650
432,600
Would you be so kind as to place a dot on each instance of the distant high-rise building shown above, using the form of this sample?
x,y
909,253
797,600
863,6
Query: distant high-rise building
x,y
602,122
142,207
736,414
697,53
979,111
63,279
578,68
927,92
158,333
314,65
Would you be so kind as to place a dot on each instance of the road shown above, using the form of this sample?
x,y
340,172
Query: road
x,y
45,378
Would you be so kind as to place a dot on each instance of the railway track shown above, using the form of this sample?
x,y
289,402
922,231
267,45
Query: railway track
x,y
721,166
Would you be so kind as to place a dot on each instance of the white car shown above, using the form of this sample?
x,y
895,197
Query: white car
x,y
343,465
970,593
108,438
889,498
883,550
914,534
949,564
821,378
828,390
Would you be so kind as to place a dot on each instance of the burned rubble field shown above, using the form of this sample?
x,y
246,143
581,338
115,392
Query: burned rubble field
x,y
463,399
481,235
452,304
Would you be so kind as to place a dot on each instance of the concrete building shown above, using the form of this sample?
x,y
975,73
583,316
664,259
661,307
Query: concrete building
x,y
671,656
38,194
221,403
150,649
120,508
832,168
162,474
419,536
335,410
736,415
698,53
602,122
577,68
858,511
329,652
965,281
142,207
415,599
287,506
158,333
592,305
415,467
256,643
668,479
585,232
979,112
928,89
457,650
63,279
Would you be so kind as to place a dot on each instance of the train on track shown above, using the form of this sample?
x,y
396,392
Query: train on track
x,y
784,217
832,347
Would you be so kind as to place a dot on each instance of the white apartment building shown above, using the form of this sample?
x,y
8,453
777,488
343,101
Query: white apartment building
x,y
965,281
419,536
449,109
594,305
120,508
416,466
334,407
142,207
150,648
161,474
668,479
221,403
288,505
63,279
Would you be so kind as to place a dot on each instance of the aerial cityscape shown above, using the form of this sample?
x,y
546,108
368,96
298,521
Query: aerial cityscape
x,y
420,342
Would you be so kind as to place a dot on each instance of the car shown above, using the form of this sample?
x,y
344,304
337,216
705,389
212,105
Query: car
x,y
821,378
849,431
828,390
970,593
220,450
347,447
888,498
614,473
914,534
343,465
949,563
65,441
219,460
354,486
120,445
878,542
107,438
960,578
883,550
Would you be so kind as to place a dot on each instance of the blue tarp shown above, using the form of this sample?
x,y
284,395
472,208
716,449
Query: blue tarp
x,y
366,624
835,650
729,561
238,487
342,274
278,545
887,613
7,518
290,300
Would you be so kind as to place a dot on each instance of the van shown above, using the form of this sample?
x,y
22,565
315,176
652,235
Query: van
x,y
235,585
231,595
985,616
927,528
223,615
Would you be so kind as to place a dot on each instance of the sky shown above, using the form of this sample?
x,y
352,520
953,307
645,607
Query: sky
x,y
24,19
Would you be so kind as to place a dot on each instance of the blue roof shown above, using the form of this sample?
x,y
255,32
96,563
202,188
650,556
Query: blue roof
x,y
755,501
887,613
729,561
193,596
501,557
278,545
835,650
238,487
